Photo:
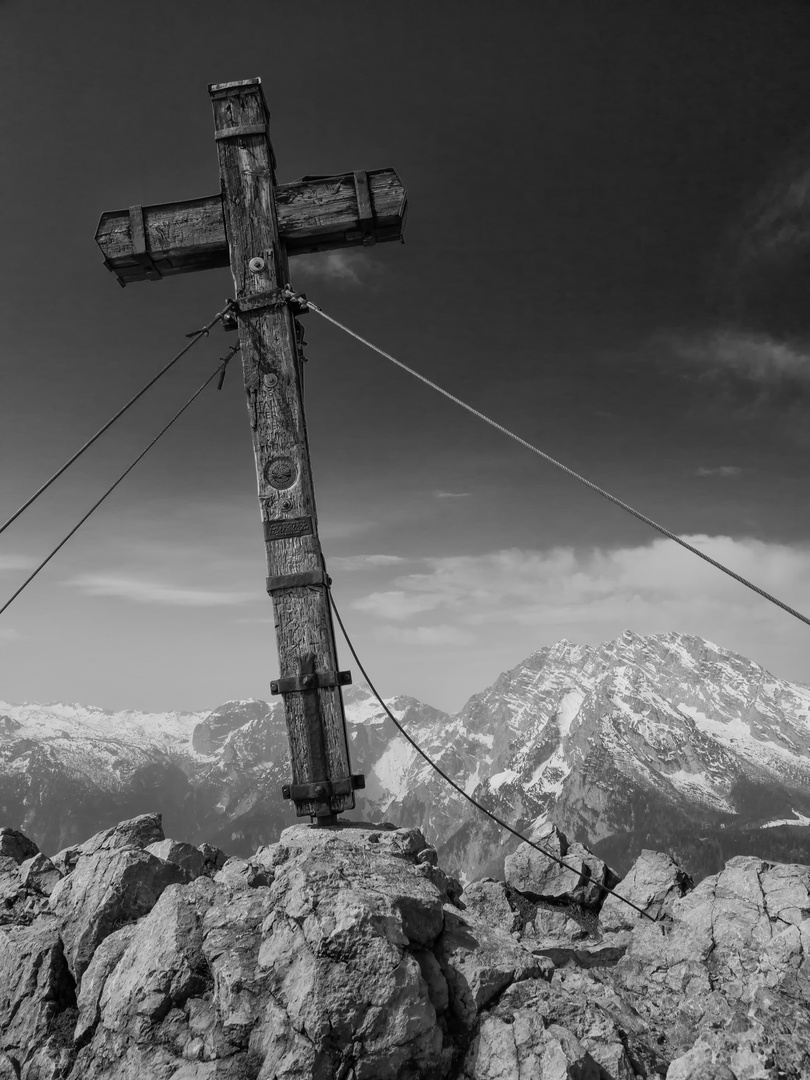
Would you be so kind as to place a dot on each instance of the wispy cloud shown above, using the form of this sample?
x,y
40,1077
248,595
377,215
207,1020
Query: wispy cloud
x,y
346,266
16,562
451,494
442,634
352,563
525,596
756,357
400,604
140,591
719,470
334,529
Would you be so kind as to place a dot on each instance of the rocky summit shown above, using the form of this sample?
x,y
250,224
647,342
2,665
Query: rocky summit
x,y
666,742
347,953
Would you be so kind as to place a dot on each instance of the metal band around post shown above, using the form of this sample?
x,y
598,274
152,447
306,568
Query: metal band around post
x,y
317,680
295,581
364,207
321,790
259,300
244,129
137,228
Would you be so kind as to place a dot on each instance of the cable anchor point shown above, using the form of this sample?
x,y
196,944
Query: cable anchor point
x,y
297,302
225,361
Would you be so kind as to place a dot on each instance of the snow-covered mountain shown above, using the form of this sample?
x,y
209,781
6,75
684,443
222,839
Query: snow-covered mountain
x,y
665,741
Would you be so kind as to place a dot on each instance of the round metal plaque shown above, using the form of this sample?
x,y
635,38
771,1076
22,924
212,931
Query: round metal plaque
x,y
281,473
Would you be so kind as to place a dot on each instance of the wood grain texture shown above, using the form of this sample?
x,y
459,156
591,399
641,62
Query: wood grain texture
x,y
273,386
313,215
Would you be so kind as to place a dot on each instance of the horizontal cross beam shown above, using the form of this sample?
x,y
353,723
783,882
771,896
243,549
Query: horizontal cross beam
x,y
316,213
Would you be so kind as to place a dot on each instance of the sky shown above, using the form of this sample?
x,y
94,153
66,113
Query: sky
x,y
607,251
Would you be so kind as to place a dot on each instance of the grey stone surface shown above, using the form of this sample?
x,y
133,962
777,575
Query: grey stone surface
x,y
137,832
39,873
479,961
578,876
653,883
14,845
336,953
107,889
186,856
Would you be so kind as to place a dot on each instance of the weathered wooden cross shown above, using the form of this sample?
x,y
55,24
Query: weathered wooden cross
x,y
255,225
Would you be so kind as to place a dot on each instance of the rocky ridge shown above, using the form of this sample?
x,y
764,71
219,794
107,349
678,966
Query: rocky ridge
x,y
348,954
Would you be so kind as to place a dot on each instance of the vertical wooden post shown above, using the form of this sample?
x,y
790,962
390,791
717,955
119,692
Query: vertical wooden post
x,y
322,784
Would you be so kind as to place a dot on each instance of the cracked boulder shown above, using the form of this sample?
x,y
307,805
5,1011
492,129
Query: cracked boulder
x,y
137,832
40,874
186,856
107,889
731,969
335,955
653,883
37,999
479,961
15,845
541,877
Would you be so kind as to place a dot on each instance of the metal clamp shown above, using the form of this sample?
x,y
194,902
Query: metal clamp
x,y
321,790
316,680
242,129
258,300
295,581
296,302
137,228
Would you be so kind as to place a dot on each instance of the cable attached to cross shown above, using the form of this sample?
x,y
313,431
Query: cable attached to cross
x,y
307,305
457,787
219,370
197,335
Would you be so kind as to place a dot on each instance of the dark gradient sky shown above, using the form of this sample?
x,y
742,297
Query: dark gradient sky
x,y
605,251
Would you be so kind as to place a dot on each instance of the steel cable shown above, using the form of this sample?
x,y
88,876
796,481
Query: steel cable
x,y
494,817
559,465
221,367
198,334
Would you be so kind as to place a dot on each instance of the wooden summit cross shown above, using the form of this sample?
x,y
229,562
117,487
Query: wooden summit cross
x,y
254,225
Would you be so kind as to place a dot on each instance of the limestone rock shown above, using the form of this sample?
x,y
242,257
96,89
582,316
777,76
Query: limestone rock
x,y
20,904
107,889
7,1068
215,858
716,973
162,965
15,845
10,880
524,1049
39,873
495,903
653,883
541,878
479,961
105,959
137,832
328,971
37,1000
336,954
243,874
186,856
699,1064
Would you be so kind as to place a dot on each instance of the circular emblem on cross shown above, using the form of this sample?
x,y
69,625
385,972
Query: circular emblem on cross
x,y
280,473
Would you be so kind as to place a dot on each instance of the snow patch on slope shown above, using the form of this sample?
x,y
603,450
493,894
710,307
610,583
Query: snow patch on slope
x,y
800,819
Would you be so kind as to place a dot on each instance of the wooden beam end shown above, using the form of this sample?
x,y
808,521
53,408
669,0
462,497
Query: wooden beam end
x,y
225,87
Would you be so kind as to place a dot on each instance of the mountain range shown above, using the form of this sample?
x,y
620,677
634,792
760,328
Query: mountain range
x,y
665,742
